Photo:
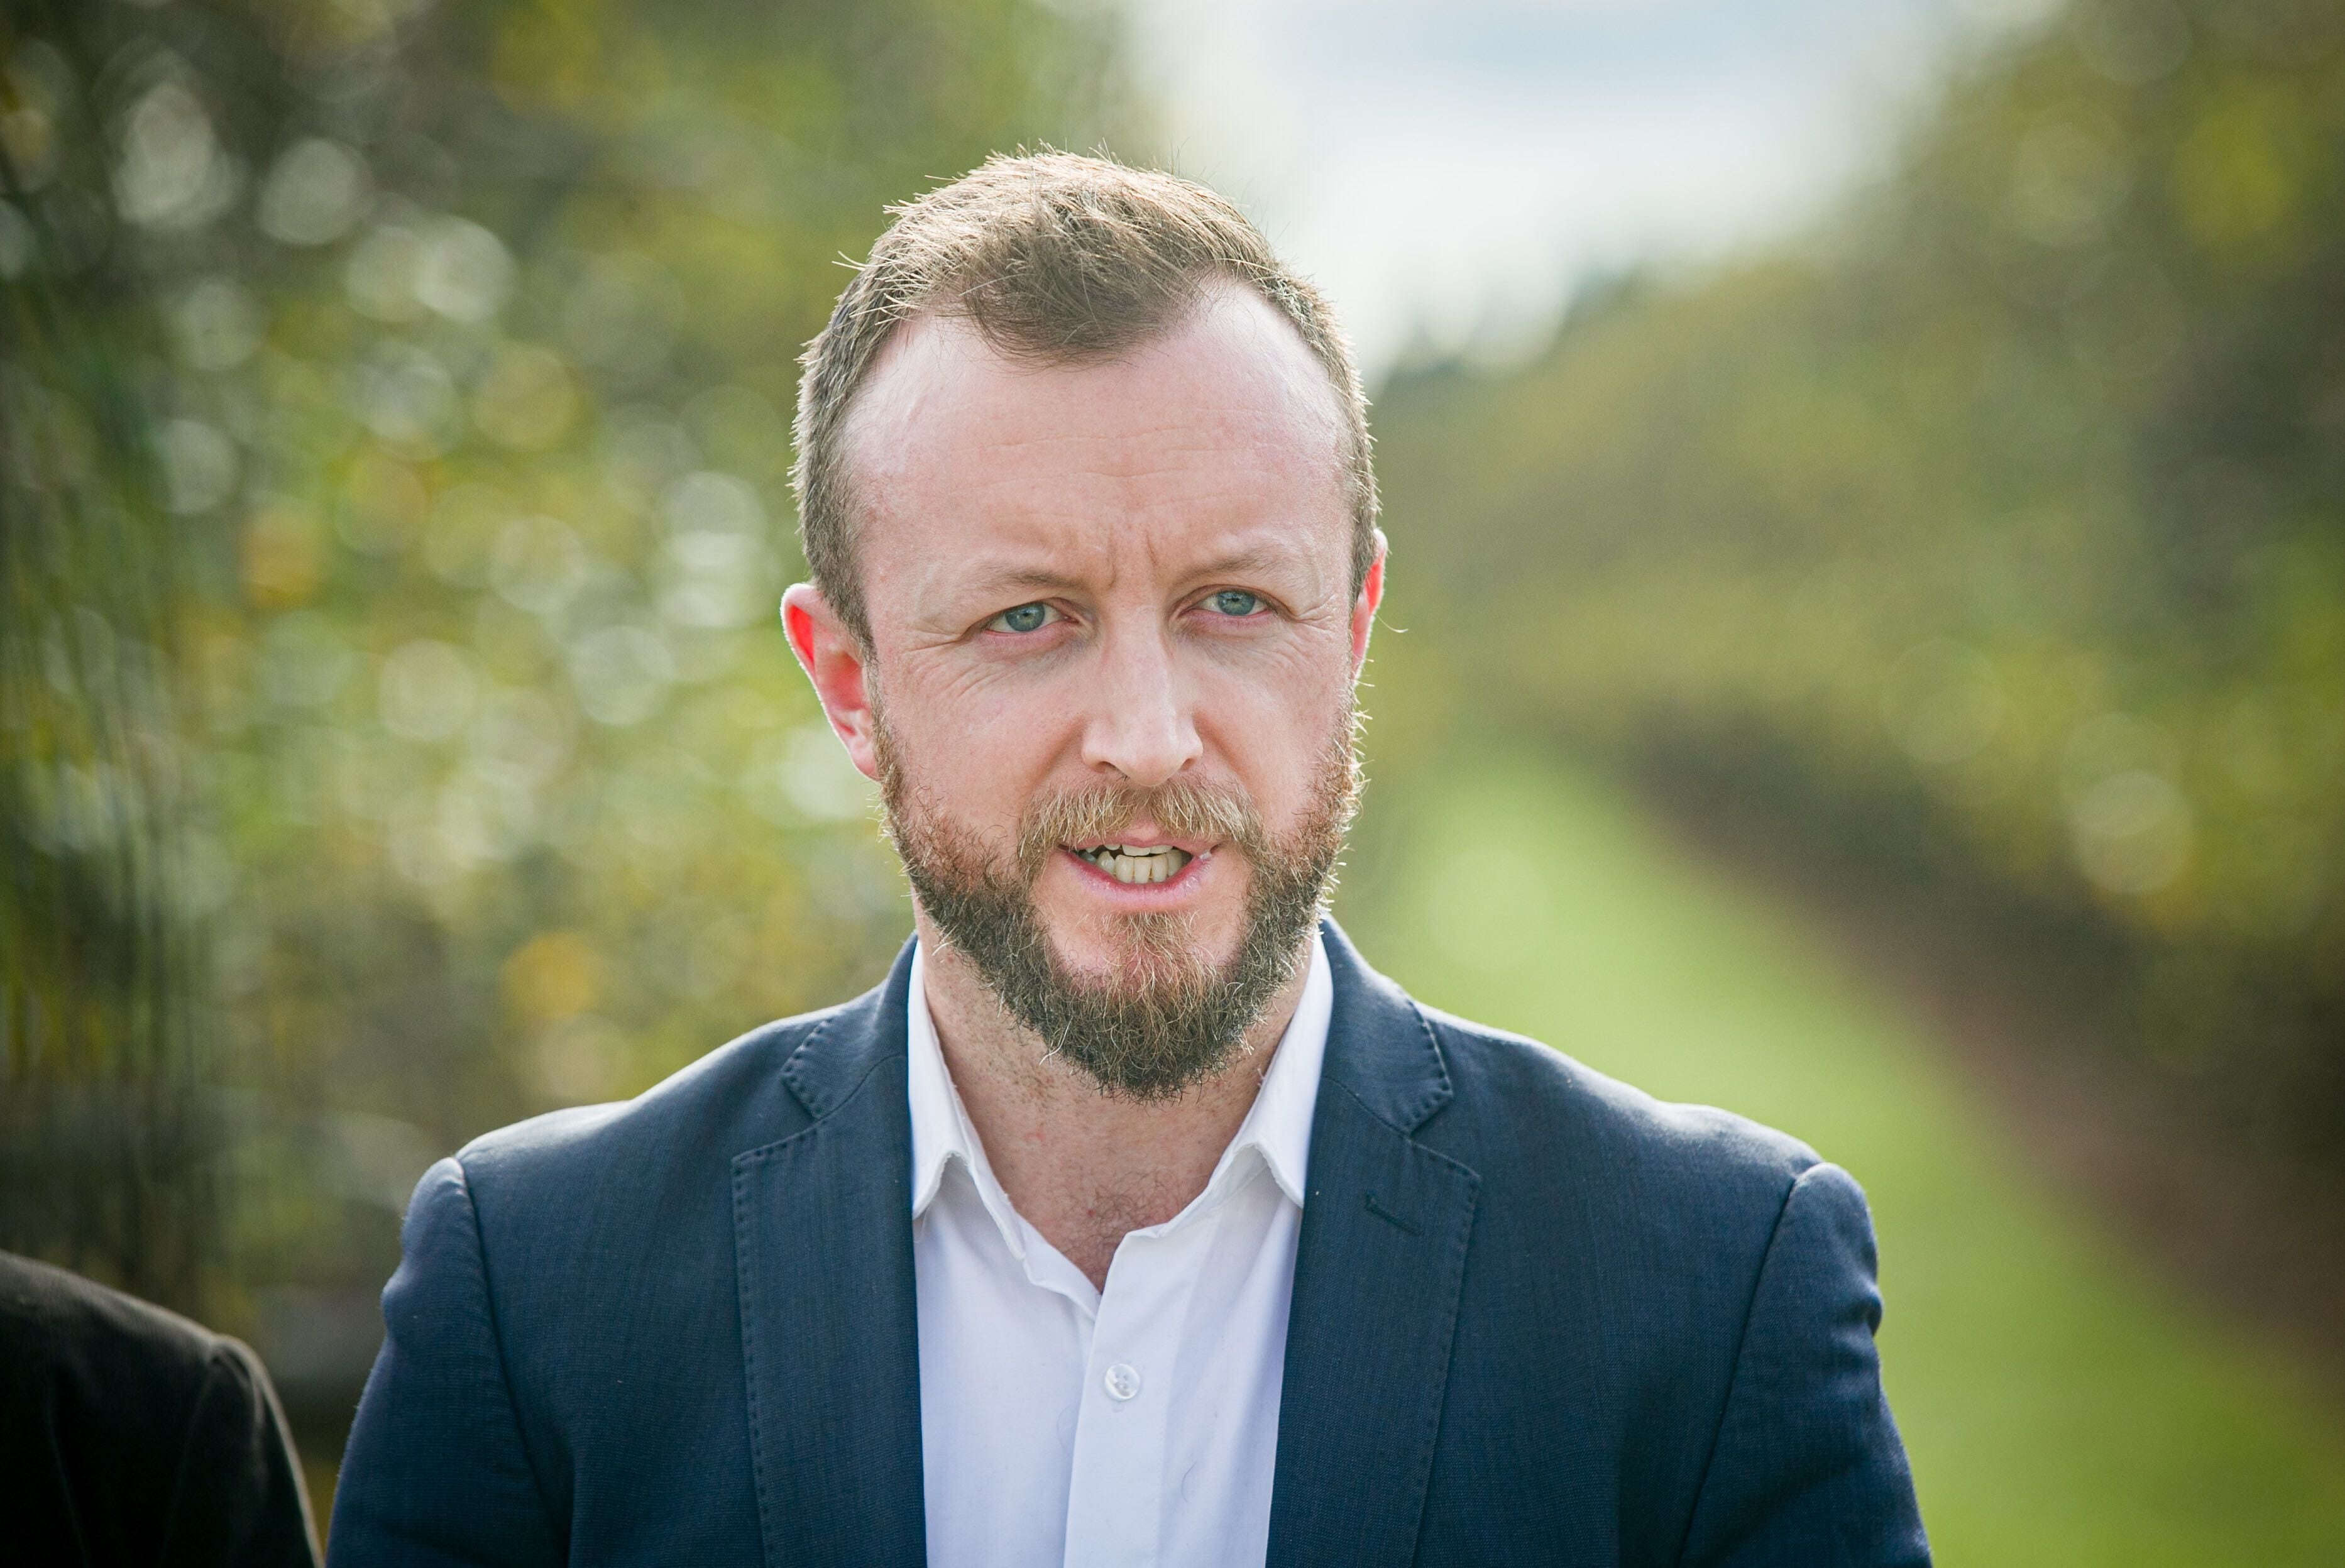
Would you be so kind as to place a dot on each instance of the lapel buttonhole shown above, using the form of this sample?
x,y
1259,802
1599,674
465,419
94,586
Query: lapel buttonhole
x,y
1389,1218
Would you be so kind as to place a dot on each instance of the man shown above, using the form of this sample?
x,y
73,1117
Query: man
x,y
1134,1218
130,1436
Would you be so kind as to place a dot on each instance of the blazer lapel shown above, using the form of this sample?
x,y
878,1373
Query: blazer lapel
x,y
1378,1271
822,1223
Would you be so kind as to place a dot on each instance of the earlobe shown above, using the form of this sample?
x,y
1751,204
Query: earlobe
x,y
836,667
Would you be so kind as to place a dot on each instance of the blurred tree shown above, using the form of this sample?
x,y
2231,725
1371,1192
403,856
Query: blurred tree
x,y
104,1147
422,377
1997,538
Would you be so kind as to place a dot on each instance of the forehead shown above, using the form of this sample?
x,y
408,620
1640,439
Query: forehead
x,y
1221,433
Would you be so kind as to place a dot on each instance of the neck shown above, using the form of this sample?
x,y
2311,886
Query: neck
x,y
1081,1166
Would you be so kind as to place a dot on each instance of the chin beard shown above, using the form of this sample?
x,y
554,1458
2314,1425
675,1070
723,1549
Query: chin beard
x,y
1165,1016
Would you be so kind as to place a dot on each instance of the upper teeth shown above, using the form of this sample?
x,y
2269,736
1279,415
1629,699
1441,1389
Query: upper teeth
x,y
1137,865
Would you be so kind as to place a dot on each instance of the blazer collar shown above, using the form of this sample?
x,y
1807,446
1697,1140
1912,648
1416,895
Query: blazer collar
x,y
844,1050
1378,1269
822,1227
829,1300
1379,1048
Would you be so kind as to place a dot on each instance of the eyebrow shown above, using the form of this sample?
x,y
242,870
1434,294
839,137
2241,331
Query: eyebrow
x,y
1035,578
1259,558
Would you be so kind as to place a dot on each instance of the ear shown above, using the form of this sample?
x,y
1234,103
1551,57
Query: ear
x,y
1364,610
840,668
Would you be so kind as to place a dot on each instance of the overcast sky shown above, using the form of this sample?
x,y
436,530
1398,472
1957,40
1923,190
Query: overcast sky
x,y
1450,170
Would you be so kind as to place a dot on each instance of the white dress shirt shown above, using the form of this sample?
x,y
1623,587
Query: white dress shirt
x,y
1136,1425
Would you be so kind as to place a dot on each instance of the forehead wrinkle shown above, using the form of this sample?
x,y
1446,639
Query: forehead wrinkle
x,y
1270,391
1088,550
1099,559
1159,446
1132,486
1218,434
1133,473
941,585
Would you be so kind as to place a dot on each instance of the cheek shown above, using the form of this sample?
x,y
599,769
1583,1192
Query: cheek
x,y
982,746
1274,733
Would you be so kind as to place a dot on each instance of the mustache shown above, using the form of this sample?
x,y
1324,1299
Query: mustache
x,y
1180,808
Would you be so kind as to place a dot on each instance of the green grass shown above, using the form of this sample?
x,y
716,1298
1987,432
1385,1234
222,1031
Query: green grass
x,y
2062,1405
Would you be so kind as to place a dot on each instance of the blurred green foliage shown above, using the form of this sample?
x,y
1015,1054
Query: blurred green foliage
x,y
395,740
2064,1407
106,1152
455,347
1994,542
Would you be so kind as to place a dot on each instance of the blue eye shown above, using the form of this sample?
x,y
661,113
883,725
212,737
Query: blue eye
x,y
1235,602
1025,618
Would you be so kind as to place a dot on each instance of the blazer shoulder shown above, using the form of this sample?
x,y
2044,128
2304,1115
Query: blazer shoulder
x,y
1521,1094
733,1098
117,1408
59,1330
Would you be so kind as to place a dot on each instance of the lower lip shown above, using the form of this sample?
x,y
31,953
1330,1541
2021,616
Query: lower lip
x,y
1172,886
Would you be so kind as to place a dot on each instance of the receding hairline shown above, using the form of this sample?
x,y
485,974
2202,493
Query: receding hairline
x,y
1058,259
1297,369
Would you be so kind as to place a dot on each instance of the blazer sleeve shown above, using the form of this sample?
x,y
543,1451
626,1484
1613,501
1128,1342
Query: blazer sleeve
x,y
239,1497
1807,1470
436,1472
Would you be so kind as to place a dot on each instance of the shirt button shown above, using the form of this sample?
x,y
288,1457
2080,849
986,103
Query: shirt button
x,y
1122,1381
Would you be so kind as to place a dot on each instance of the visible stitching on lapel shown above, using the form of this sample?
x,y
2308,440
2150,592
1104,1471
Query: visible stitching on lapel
x,y
1460,1166
497,1338
1429,1434
819,1116
1733,1378
1436,1088
745,1265
1441,1090
794,1079
873,1008
746,1270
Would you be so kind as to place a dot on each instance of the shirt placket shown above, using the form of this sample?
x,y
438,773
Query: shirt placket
x,y
1116,1501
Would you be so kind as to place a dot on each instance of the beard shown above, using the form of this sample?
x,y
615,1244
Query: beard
x,y
1165,1016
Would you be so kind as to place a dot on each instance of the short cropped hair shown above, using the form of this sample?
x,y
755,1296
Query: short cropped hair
x,y
1058,259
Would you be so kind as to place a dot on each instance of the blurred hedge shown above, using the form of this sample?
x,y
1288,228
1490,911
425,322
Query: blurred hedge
x,y
1996,537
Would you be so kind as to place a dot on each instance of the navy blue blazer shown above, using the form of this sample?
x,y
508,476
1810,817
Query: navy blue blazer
x,y
1538,1318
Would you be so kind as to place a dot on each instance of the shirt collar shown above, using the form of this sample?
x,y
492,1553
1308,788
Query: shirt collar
x,y
1276,1129
940,1130
1278,1124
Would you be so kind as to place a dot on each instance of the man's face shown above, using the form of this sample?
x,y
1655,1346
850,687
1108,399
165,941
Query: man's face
x,y
1114,643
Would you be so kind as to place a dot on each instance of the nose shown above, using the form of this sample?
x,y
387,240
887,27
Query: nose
x,y
1139,724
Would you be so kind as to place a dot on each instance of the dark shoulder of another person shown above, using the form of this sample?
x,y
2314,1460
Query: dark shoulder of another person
x,y
131,1435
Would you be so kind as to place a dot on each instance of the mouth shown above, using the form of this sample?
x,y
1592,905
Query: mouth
x,y
1136,866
